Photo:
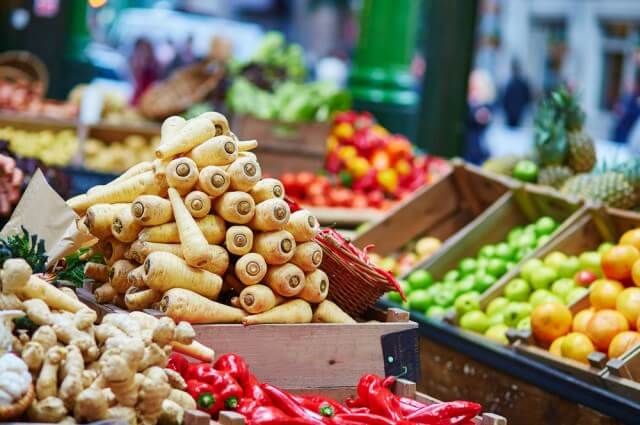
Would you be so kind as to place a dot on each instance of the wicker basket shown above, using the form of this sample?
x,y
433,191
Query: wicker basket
x,y
355,283
16,409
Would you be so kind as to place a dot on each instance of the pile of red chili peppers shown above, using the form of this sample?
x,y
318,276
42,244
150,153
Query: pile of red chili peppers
x,y
228,385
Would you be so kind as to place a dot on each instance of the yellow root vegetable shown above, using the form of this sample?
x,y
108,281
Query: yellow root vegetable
x,y
182,174
119,275
329,312
136,277
175,379
250,268
151,210
239,240
213,228
213,180
105,294
316,287
303,226
286,280
138,251
182,398
91,405
122,191
71,375
47,382
184,333
296,311
268,188
219,121
195,350
96,271
194,132
168,130
198,203
194,244
47,410
244,173
33,355
123,414
125,227
136,170
246,145
172,413
163,271
182,304
111,249
137,299
235,207
258,299
270,215
308,256
218,260
99,217
275,247
219,150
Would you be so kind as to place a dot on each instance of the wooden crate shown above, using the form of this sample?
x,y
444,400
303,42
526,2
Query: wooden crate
x,y
622,375
344,217
28,123
109,133
402,387
440,209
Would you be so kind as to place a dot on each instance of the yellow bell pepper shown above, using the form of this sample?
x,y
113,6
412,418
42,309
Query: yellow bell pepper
x,y
347,152
343,131
358,166
388,180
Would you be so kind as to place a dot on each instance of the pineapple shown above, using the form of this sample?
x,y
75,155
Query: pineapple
x,y
630,169
581,154
554,175
549,135
611,188
576,185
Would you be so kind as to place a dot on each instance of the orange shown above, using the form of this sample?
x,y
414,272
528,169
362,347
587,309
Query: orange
x,y
550,321
635,273
604,292
631,237
577,346
622,343
581,319
604,325
617,262
628,303
554,348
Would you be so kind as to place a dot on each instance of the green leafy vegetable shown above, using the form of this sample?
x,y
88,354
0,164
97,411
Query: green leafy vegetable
x,y
73,270
26,246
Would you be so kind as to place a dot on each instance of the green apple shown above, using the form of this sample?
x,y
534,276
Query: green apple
x,y
514,234
475,321
444,297
542,240
484,282
538,297
467,302
521,253
452,276
498,333
481,264
511,264
496,319
436,312
420,279
543,278
524,324
467,266
515,312
569,268
555,260
530,228
496,267
497,305
562,287
517,290
395,296
487,251
505,251
465,285
526,240
590,260
529,267
604,247
420,300
545,226
388,263
575,294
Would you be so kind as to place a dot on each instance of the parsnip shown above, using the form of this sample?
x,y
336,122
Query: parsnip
x,y
163,271
198,203
213,228
235,207
182,174
268,188
98,218
275,247
194,244
308,256
182,304
213,180
258,298
316,287
239,240
125,227
270,215
151,210
194,132
250,268
303,226
244,173
286,280
329,312
296,311
219,150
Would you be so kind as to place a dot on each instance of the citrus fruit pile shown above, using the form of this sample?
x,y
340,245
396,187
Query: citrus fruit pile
x,y
612,322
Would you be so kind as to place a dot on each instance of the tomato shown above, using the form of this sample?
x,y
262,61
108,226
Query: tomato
x,y
388,180
317,188
618,261
343,131
375,198
347,152
380,160
359,201
339,197
304,179
318,201
290,183
358,166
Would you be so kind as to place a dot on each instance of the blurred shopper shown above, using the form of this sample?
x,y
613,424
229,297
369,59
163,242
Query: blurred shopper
x,y
517,96
11,179
145,68
627,112
167,57
186,55
480,100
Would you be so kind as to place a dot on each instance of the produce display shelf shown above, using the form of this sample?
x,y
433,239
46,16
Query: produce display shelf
x,y
506,360
27,122
347,217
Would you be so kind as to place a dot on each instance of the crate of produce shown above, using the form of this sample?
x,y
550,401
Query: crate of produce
x,y
622,375
435,211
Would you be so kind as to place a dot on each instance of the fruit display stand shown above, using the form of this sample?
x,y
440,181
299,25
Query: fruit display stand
x,y
439,210
622,375
35,123
345,217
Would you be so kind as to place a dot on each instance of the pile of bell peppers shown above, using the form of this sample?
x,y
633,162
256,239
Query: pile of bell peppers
x,y
366,157
229,385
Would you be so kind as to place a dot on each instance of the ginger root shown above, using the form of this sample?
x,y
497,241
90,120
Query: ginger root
x,y
172,413
154,355
124,323
105,294
105,331
154,390
127,414
71,375
163,332
47,382
11,302
175,379
49,409
119,364
90,405
182,398
45,336
33,355
184,333
38,311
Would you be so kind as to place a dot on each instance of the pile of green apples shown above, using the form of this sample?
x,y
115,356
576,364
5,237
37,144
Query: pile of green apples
x,y
460,289
556,278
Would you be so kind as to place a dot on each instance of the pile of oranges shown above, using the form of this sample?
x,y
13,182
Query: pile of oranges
x,y
612,323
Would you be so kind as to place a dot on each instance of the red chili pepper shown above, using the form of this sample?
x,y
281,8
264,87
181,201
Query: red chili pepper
x,y
270,415
178,362
448,413
288,405
363,419
235,366
226,389
408,405
247,406
204,395
322,405
378,398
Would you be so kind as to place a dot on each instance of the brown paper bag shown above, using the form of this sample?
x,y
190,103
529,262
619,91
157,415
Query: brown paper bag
x,y
43,212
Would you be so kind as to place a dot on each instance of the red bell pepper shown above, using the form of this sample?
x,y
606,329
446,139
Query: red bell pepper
x,y
226,389
322,405
204,395
289,406
178,362
235,366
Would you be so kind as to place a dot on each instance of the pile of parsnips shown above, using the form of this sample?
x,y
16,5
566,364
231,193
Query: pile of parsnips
x,y
200,220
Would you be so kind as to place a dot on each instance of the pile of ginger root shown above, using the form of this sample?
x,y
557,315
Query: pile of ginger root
x,y
83,372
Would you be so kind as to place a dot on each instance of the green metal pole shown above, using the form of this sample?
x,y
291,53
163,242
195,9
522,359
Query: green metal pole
x,y
380,78
449,41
